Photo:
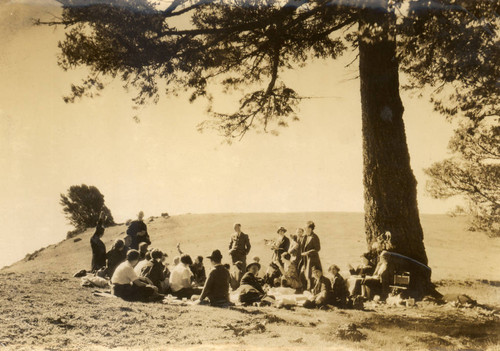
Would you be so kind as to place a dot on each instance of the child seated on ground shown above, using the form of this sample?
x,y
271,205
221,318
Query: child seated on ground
x,y
321,290
128,285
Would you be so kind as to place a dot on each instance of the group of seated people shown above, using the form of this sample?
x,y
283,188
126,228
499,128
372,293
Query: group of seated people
x,y
142,274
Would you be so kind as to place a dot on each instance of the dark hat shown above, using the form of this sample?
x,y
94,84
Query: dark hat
x,y
253,264
216,255
281,229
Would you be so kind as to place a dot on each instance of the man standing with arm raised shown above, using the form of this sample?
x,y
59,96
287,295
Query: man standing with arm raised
x,y
239,247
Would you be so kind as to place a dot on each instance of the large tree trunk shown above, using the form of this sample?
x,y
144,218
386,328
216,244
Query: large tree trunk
x,y
390,186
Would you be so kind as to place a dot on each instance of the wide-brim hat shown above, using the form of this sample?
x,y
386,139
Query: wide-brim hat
x,y
216,255
253,264
281,229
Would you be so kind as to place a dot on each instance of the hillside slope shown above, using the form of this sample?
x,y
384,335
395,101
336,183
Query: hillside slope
x,y
453,252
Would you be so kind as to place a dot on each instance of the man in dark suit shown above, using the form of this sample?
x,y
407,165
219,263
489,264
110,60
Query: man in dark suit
x,y
239,247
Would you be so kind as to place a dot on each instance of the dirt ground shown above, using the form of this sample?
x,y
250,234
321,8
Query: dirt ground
x,y
51,311
43,307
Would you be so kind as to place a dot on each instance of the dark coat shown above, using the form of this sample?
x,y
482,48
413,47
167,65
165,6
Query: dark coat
x,y
311,242
251,280
132,230
199,274
98,253
216,287
281,247
239,247
115,257
322,291
154,270
339,290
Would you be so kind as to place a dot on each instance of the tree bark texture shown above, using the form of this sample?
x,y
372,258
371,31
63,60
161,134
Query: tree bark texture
x,y
390,187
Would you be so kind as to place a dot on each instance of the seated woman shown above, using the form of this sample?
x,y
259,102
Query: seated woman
x,y
181,279
321,290
250,290
128,285
272,276
289,273
378,283
115,256
339,289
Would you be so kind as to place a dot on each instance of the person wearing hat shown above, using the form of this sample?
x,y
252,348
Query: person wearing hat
x,y
216,287
239,247
321,291
251,291
280,246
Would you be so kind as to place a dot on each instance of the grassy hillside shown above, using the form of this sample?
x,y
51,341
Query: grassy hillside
x,y
43,307
453,252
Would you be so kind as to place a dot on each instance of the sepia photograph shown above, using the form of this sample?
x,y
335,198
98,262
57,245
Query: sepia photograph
x,y
252,175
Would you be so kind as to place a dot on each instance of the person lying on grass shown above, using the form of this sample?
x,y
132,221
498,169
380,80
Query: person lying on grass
x,y
128,285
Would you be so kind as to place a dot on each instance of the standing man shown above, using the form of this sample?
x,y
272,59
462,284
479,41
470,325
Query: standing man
x,y
239,247
137,232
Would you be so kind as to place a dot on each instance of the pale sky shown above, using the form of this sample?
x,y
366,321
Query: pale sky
x,y
163,164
